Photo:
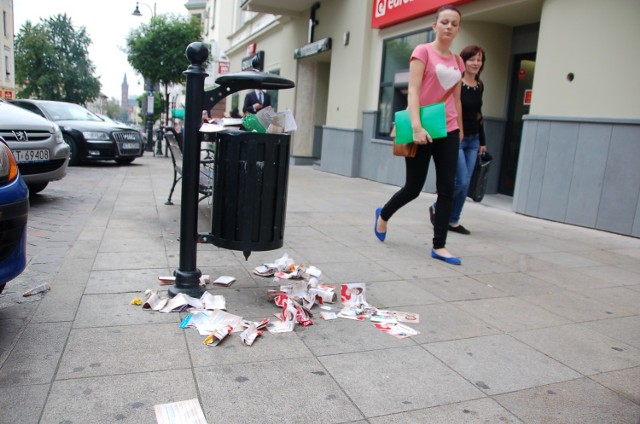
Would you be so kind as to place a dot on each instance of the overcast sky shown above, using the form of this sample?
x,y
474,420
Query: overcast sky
x,y
108,23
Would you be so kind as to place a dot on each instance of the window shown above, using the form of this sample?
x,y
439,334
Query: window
x,y
392,97
4,23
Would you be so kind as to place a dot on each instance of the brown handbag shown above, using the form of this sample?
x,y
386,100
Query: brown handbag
x,y
407,150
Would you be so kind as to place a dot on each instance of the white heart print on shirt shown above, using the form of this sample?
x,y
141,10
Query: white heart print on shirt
x,y
448,76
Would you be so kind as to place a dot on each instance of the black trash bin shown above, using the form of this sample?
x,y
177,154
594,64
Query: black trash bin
x,y
249,191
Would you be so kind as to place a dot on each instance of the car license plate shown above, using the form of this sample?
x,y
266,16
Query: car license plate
x,y
130,145
31,155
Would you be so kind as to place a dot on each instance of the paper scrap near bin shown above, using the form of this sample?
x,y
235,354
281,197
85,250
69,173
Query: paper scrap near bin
x,y
250,191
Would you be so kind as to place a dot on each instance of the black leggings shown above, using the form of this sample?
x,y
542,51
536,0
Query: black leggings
x,y
445,157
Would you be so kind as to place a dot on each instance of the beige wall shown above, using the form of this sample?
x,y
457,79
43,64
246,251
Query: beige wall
x,y
496,42
597,41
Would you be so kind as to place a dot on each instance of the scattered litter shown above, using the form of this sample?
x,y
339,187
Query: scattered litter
x,y
169,280
224,281
254,329
136,301
295,300
218,334
328,315
183,412
182,302
41,288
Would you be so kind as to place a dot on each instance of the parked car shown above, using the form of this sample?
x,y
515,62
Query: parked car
x,y
89,137
37,144
14,208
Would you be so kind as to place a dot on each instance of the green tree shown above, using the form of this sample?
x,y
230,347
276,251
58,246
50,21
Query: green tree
x,y
52,61
157,50
113,110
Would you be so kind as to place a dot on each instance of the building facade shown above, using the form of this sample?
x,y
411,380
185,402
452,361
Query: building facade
x,y
562,125
7,66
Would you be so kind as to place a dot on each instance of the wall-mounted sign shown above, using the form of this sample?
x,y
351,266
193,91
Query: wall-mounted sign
x,y
527,97
254,62
313,48
391,12
8,94
223,67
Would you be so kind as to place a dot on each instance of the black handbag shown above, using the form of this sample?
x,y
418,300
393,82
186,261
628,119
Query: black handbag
x,y
480,177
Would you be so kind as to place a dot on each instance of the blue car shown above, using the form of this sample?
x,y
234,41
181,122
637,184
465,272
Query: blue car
x,y
14,208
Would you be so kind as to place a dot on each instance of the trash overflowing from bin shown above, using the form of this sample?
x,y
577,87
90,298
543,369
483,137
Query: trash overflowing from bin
x,y
267,120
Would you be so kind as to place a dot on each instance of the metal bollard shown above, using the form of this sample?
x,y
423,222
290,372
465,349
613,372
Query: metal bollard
x,y
187,275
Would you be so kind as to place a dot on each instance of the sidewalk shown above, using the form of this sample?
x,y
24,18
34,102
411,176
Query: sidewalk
x,y
541,323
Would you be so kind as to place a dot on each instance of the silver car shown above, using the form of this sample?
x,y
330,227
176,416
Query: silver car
x,y
37,144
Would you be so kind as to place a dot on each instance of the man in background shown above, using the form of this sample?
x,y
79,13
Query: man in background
x,y
256,100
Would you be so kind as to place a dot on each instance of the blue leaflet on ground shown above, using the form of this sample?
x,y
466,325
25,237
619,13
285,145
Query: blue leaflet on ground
x,y
433,118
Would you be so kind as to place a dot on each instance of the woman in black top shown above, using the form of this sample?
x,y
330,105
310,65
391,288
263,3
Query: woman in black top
x,y
473,141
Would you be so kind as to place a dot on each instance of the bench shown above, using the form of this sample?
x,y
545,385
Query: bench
x,y
205,183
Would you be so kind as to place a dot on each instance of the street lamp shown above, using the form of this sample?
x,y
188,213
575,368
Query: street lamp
x,y
151,98
136,12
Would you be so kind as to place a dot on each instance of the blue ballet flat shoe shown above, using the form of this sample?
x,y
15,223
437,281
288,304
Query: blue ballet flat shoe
x,y
381,236
453,260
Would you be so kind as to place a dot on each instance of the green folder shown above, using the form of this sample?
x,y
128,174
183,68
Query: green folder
x,y
433,118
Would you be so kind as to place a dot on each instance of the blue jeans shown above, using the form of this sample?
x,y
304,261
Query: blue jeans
x,y
467,156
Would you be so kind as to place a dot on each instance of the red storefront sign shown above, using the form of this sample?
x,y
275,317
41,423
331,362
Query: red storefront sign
x,y
527,97
8,94
391,12
223,68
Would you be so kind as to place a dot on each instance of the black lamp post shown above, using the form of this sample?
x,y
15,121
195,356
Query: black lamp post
x,y
149,85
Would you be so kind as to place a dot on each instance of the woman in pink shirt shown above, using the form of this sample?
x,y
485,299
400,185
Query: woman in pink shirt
x,y
433,71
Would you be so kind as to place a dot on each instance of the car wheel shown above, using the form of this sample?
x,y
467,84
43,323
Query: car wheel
x,y
74,157
35,188
124,161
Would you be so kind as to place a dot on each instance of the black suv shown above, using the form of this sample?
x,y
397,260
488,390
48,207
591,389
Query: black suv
x,y
89,137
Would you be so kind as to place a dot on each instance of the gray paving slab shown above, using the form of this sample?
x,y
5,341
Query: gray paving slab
x,y
127,398
510,313
517,283
358,272
500,364
577,307
459,288
617,275
571,279
92,352
469,412
394,294
580,401
424,267
584,350
135,281
621,300
129,260
626,330
347,336
23,404
397,380
445,321
35,357
299,390
624,382
107,310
